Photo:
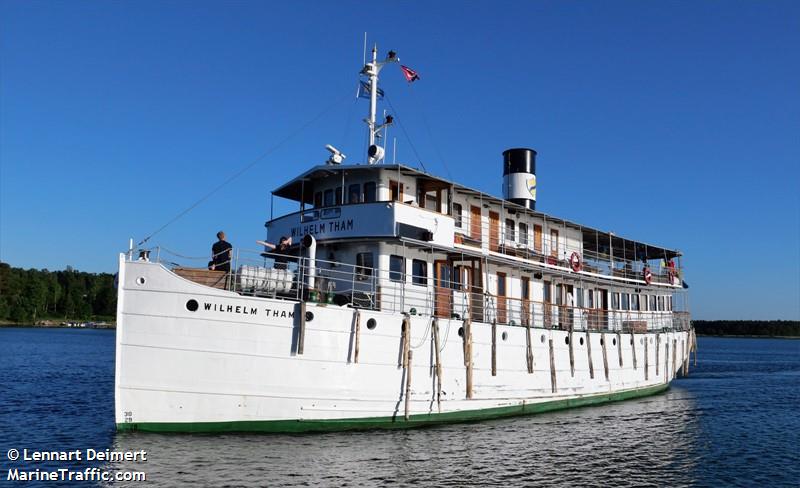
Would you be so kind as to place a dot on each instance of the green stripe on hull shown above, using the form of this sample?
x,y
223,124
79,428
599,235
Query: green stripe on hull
x,y
398,422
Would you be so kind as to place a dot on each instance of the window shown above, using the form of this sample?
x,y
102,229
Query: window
x,y
458,272
457,215
653,303
554,243
626,301
338,200
579,296
634,302
354,193
369,192
523,234
590,303
364,265
526,288
395,191
397,268
501,284
669,304
615,301
419,272
328,200
660,304
432,200
318,199
510,230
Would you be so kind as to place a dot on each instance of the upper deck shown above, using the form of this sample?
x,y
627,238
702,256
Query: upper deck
x,y
357,202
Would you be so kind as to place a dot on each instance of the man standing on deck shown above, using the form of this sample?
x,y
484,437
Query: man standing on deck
x,y
221,254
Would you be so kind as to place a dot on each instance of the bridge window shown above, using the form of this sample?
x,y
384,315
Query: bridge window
x,y
338,199
354,193
328,198
318,199
370,194
625,301
395,191
397,268
364,265
615,301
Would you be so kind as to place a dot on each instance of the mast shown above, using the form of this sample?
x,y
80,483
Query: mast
x,y
371,70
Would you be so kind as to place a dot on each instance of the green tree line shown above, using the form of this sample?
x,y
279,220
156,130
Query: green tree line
x,y
30,295
784,328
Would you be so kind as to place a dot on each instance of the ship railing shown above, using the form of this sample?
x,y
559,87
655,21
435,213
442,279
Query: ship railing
x,y
263,274
558,252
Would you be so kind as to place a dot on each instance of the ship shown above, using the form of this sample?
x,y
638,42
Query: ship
x,y
398,299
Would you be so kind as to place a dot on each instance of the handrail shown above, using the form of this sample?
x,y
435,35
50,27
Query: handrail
x,y
263,274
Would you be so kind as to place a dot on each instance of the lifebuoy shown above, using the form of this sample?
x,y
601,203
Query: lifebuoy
x,y
648,275
575,262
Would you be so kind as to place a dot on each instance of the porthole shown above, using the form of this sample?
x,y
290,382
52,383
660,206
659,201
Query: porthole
x,y
614,341
460,332
504,336
192,305
566,340
371,324
309,316
581,341
543,338
140,280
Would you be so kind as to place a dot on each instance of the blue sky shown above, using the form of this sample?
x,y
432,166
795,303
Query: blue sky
x,y
674,123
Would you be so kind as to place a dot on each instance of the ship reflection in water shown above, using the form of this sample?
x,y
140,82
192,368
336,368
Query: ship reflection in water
x,y
645,441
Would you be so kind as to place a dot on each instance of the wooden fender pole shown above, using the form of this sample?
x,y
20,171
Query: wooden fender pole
x,y
409,356
571,353
468,355
406,340
687,352
646,359
605,354
438,365
619,348
301,332
658,347
528,346
589,354
358,336
633,348
494,348
674,356
553,384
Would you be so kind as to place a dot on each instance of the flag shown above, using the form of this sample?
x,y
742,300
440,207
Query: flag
x,y
364,92
409,73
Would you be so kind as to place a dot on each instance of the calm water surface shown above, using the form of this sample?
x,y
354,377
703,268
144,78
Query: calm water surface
x,y
733,422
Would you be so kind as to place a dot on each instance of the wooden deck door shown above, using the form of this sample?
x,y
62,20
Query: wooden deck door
x,y
494,231
537,238
443,291
502,306
554,243
476,292
475,223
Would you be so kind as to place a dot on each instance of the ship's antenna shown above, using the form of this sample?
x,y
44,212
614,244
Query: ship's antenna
x,y
375,152
364,62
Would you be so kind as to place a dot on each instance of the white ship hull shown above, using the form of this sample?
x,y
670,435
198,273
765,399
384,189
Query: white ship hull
x,y
233,363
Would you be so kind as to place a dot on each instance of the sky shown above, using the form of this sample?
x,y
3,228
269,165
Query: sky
x,y
673,123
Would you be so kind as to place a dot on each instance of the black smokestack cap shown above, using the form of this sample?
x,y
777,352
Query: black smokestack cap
x,y
519,160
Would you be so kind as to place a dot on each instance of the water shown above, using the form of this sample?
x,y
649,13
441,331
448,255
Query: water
x,y
733,422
